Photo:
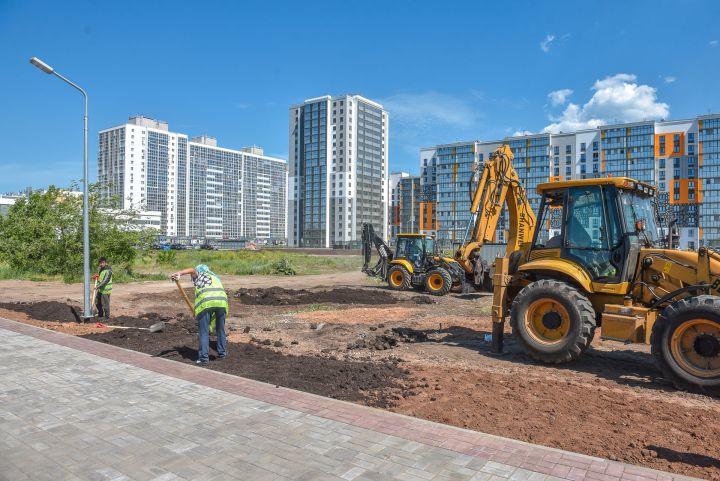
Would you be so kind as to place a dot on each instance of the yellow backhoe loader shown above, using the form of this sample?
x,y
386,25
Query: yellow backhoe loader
x,y
415,263
594,257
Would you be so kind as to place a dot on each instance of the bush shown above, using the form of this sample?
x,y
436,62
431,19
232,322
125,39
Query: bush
x,y
166,257
284,267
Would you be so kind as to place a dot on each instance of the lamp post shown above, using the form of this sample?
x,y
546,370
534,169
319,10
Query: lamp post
x,y
87,309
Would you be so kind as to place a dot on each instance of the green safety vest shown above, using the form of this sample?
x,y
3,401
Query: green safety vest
x,y
107,288
213,295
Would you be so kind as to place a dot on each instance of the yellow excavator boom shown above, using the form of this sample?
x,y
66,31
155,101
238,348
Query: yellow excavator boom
x,y
498,186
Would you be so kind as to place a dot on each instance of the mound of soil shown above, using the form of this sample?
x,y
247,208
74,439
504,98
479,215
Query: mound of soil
x,y
371,383
279,296
389,339
46,310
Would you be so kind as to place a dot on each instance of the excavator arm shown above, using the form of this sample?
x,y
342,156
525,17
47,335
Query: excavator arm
x,y
369,240
498,186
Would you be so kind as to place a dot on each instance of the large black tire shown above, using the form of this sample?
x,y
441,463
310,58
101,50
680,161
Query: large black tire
x,y
685,343
553,321
438,281
399,278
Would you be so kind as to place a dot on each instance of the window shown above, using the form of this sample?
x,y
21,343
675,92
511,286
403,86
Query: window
x,y
568,171
691,149
568,149
557,150
582,147
589,239
567,159
662,163
662,149
595,168
691,137
595,146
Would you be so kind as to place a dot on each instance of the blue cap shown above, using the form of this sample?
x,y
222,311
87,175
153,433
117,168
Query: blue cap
x,y
202,268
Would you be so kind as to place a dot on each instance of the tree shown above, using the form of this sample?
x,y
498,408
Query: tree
x,y
43,234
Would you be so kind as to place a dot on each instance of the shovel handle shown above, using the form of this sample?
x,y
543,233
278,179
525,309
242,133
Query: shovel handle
x,y
185,296
92,301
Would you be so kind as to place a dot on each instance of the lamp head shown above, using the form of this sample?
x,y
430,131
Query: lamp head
x,y
42,65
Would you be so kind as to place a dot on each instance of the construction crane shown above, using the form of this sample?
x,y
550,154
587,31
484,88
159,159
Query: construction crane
x,y
594,257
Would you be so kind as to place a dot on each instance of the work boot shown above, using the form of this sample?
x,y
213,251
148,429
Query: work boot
x,y
202,363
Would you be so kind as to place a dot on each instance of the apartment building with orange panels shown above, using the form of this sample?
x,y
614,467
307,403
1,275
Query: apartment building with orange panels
x,y
680,157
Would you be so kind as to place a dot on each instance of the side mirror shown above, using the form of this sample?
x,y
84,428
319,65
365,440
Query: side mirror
x,y
640,225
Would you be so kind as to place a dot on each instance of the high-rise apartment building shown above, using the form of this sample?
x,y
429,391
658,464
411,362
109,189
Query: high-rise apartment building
x,y
394,203
197,189
680,157
338,171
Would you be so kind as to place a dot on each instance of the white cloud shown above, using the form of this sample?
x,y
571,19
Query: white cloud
x,y
713,43
545,44
429,108
615,99
519,133
669,79
559,97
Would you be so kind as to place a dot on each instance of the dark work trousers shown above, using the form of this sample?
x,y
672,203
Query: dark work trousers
x,y
102,302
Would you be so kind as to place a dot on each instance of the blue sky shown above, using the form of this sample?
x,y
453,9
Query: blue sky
x,y
446,71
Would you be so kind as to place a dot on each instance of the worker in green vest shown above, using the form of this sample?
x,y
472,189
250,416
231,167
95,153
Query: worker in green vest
x,y
211,308
104,289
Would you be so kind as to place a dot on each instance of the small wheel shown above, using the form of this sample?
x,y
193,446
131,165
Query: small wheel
x,y
685,343
438,281
553,321
398,278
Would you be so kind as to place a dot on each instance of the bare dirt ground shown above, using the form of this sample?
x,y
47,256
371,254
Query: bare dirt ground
x,y
422,356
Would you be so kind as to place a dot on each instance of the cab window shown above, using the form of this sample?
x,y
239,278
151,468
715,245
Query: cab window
x,y
588,240
549,227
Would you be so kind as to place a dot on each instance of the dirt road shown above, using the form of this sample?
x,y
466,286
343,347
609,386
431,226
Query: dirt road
x,y
428,357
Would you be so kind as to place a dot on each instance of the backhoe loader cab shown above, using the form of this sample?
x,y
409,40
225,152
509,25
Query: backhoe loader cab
x,y
596,224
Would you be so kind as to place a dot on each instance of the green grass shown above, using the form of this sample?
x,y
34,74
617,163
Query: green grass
x,y
246,263
316,308
157,265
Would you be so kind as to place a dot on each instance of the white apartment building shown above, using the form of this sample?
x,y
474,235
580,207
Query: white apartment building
x,y
199,190
338,171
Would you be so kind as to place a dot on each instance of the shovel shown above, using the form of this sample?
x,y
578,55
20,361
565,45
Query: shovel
x,y
157,327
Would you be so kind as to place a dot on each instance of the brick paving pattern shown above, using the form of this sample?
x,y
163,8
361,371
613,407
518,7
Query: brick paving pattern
x,y
74,409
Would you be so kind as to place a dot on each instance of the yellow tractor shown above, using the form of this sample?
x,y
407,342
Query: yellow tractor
x,y
594,257
415,263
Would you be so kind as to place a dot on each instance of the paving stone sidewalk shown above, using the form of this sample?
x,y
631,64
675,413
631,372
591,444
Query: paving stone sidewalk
x,y
74,409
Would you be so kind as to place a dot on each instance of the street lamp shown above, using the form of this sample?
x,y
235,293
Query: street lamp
x,y
87,309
